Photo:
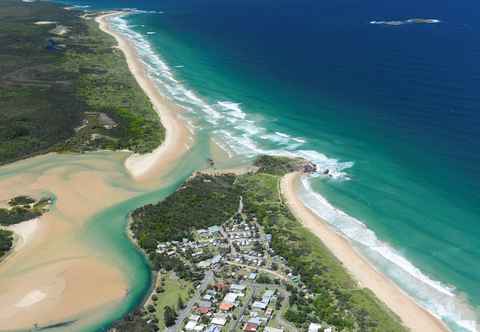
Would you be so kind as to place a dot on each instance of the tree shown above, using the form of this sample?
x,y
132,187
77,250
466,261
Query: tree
x,y
169,316
180,303
151,308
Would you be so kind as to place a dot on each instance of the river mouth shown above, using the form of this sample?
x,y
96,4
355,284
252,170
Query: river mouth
x,y
80,266
79,261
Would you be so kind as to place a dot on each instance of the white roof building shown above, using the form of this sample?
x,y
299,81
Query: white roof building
x,y
194,318
273,329
238,288
199,327
314,327
255,320
259,305
190,326
214,229
204,264
220,321
231,298
216,259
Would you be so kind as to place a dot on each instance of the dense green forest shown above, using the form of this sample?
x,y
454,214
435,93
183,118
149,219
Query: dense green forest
x,y
203,201
66,90
206,200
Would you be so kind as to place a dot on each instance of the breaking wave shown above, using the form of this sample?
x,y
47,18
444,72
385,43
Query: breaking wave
x,y
440,299
238,133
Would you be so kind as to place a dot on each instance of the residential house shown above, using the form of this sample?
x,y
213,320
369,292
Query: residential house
x,y
314,327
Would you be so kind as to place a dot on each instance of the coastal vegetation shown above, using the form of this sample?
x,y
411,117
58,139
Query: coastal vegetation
x,y
204,201
19,209
324,291
6,241
338,301
277,165
168,297
23,208
64,87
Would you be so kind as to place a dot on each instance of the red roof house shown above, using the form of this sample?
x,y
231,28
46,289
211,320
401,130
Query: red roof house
x,y
249,327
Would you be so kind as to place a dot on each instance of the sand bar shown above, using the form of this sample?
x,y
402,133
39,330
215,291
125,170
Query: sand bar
x,y
25,232
59,276
177,136
53,275
413,316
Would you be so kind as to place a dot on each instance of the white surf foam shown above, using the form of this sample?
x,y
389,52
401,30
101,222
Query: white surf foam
x,y
434,296
238,134
234,109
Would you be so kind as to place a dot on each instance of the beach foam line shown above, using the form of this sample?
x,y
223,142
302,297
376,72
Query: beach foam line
x,y
177,135
411,314
439,299
239,135
209,116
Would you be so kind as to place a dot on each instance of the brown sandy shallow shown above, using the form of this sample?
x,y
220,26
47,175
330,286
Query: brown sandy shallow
x,y
413,316
55,276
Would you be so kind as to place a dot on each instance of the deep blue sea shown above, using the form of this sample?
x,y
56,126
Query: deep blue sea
x,y
392,111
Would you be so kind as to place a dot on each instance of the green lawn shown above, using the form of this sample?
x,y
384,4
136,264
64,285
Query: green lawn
x,y
174,288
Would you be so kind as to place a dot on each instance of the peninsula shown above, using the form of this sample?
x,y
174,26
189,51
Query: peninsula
x,y
229,251
239,241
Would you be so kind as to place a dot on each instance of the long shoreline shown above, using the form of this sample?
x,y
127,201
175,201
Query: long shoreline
x,y
177,135
412,315
40,284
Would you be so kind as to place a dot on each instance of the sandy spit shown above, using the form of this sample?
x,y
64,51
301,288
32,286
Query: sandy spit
x,y
412,315
177,135
25,232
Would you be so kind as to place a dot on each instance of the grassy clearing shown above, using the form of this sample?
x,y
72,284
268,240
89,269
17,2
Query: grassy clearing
x,y
174,288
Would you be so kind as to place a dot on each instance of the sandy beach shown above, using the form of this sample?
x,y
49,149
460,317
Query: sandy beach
x,y
53,275
25,231
177,137
56,276
413,316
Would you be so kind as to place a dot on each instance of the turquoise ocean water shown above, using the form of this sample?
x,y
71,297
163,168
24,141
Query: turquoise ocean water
x,y
392,112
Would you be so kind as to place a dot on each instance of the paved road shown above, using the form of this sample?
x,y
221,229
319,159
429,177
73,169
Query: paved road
x,y
183,314
275,273
245,305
